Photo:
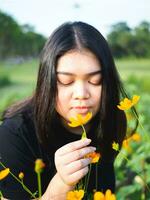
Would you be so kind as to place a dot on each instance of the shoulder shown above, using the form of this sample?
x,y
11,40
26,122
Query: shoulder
x,y
18,140
15,124
17,131
11,124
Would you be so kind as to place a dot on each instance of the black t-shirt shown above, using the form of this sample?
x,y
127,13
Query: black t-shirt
x,y
19,148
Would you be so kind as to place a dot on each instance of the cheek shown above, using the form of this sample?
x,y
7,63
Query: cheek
x,y
97,97
97,94
62,99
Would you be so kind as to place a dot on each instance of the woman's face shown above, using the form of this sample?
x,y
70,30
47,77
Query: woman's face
x,y
79,84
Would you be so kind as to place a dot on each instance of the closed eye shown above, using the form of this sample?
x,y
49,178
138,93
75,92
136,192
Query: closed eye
x,y
65,83
64,79
95,80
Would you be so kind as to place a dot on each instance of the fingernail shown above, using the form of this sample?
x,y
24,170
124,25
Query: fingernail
x,y
94,148
87,140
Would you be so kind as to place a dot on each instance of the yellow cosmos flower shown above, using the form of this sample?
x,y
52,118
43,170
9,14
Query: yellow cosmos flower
x,y
126,145
39,165
94,155
21,175
79,120
4,173
136,137
99,196
107,196
128,103
75,195
115,146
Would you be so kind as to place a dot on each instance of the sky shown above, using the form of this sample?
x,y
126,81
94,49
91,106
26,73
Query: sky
x,y
46,15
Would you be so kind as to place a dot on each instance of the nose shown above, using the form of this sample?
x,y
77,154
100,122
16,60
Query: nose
x,y
81,91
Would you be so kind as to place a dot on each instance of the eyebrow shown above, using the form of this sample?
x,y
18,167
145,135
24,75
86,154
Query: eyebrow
x,y
87,74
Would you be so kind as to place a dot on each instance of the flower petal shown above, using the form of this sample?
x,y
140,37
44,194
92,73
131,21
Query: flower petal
x,y
99,196
79,120
135,99
4,173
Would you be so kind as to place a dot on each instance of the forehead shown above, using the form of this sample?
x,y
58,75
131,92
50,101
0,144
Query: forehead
x,y
78,62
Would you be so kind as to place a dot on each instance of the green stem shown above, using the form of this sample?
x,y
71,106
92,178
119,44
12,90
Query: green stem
x,y
17,179
1,195
96,177
39,184
136,116
84,135
87,180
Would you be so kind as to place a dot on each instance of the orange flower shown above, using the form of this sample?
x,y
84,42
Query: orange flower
x,y
126,145
136,137
75,195
99,196
79,120
107,196
4,173
39,165
128,103
21,175
95,157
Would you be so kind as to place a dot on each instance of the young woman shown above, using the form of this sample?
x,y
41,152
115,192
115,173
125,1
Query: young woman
x,y
77,75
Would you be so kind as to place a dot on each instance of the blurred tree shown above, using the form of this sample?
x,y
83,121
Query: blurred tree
x,y
118,39
16,40
130,42
140,43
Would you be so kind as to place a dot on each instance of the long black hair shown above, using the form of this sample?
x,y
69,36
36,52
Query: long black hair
x,y
111,123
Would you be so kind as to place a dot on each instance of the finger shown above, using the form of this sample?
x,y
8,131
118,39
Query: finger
x,y
75,177
78,154
73,146
77,165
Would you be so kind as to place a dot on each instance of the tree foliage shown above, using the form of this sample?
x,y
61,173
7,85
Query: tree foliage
x,y
16,40
126,42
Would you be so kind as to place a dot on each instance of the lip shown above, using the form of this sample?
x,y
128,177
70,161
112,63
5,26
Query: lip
x,y
81,109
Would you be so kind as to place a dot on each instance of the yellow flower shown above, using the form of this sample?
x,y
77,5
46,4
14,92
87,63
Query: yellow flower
x,y
39,165
128,103
126,145
75,195
136,137
99,196
79,120
95,157
107,196
4,173
115,146
21,175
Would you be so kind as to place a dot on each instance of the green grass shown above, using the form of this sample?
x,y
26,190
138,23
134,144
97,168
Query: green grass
x,y
136,67
22,78
25,72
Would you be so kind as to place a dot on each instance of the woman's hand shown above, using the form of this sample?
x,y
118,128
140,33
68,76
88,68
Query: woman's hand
x,y
70,161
